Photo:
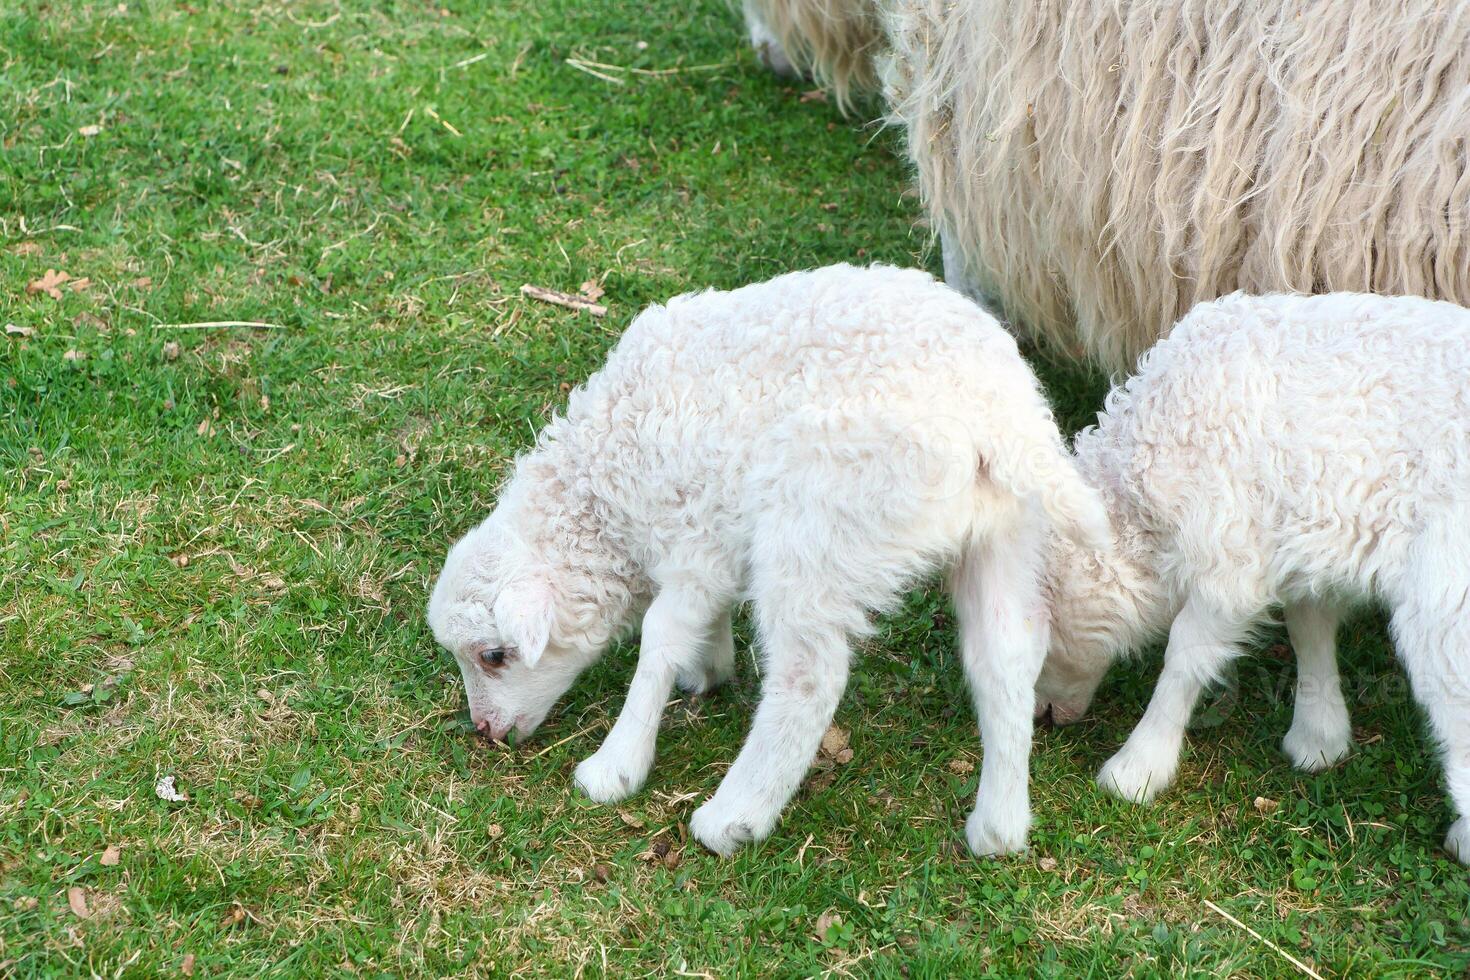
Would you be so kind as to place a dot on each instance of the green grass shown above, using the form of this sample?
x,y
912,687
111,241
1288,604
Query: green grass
x,y
215,544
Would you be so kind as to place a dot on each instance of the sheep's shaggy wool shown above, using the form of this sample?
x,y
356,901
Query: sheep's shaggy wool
x,y
1306,452
1100,166
834,41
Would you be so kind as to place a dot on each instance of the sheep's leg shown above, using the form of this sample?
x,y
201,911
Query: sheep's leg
x,y
837,533
676,628
806,673
955,274
1321,732
767,46
1201,644
1003,635
717,664
1431,626
805,603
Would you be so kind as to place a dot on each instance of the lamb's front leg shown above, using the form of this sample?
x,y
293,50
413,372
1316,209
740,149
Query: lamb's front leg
x,y
1321,732
1201,644
805,678
997,597
675,631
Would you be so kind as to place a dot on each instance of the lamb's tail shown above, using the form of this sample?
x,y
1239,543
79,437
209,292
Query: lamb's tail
x,y
1030,460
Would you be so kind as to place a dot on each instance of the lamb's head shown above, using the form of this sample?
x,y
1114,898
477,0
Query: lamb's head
x,y
515,626
1103,604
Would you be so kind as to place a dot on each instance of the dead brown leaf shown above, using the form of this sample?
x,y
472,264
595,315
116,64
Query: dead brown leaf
x,y
826,921
591,291
90,131
12,330
111,856
961,767
234,917
187,966
74,355
77,899
834,742
1047,864
821,780
1264,805
813,95
632,821
50,284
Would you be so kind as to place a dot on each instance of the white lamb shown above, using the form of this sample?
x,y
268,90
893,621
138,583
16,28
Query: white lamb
x,y
1279,450
814,444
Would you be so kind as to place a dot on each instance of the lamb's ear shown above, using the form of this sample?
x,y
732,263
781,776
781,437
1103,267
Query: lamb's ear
x,y
524,613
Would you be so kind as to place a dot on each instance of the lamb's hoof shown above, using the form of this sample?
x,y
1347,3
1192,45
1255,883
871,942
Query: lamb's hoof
x,y
724,832
1458,842
1133,776
606,780
992,837
1312,749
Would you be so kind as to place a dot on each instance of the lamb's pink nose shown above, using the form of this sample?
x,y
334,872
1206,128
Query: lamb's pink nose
x,y
493,728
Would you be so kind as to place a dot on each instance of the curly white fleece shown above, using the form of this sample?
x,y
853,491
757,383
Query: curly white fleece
x,y
1280,450
815,444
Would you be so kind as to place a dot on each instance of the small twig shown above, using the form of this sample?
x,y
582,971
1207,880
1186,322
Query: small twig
x,y
212,324
592,727
582,66
1260,938
471,60
569,300
651,72
356,234
429,111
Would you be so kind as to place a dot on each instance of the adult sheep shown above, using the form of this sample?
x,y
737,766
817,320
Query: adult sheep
x,y
1100,166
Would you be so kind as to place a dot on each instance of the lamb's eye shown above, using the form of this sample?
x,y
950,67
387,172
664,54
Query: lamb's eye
x,y
493,658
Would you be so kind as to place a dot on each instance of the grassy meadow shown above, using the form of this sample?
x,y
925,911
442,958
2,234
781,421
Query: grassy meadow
x,y
216,544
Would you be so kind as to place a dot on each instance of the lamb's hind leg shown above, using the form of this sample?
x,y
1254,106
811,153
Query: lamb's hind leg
x,y
1321,732
1431,626
1202,642
716,665
1003,634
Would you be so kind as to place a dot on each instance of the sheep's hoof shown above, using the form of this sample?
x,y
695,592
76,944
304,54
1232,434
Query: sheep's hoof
x,y
1458,842
1131,775
773,56
1312,749
992,837
722,832
607,781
